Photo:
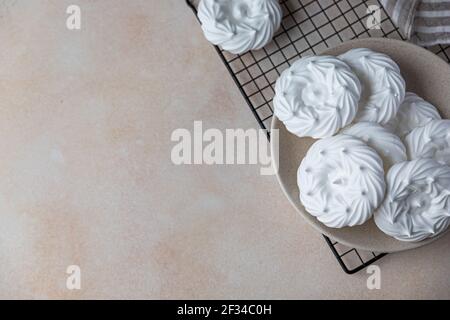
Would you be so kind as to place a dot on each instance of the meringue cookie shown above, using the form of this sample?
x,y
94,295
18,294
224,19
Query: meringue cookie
x,y
341,181
417,200
414,112
383,85
431,141
317,96
238,26
388,145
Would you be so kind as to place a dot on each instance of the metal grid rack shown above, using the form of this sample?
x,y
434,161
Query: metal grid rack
x,y
308,27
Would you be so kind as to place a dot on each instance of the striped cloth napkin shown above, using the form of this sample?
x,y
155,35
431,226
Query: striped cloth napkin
x,y
425,22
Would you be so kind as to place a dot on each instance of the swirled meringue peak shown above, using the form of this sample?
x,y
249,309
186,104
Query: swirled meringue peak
x,y
383,85
431,141
341,181
238,26
317,96
388,145
417,200
414,112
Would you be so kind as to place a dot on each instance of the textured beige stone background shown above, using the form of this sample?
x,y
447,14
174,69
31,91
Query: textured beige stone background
x,y
86,176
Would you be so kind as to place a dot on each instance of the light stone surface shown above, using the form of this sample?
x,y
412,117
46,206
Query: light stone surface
x,y
85,125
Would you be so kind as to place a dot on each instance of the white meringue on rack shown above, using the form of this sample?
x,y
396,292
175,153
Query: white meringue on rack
x,y
238,26
382,83
414,112
431,141
341,181
317,96
388,145
417,201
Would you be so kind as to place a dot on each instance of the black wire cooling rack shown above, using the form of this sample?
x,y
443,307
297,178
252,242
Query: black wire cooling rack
x,y
309,27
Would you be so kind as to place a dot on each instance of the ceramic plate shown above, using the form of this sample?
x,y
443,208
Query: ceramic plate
x,y
427,75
